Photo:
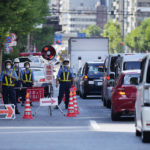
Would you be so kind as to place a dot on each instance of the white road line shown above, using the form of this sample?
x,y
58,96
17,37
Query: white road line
x,y
94,125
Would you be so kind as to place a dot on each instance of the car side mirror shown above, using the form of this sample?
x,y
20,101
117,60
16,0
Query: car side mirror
x,y
134,81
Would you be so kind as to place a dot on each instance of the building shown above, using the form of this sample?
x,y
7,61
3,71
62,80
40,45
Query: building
x,y
77,15
101,18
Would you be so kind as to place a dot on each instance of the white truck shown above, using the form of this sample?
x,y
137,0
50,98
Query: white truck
x,y
86,49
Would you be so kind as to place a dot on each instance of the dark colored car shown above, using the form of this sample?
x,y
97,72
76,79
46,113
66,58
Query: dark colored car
x,y
124,94
90,79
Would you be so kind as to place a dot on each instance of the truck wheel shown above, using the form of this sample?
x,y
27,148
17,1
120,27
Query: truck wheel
x,y
104,102
145,137
138,133
84,96
114,116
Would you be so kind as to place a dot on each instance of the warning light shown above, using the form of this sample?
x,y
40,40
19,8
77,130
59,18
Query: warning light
x,y
45,48
48,52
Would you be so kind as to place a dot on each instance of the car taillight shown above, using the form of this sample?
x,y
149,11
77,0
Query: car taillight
x,y
42,80
85,77
121,91
108,77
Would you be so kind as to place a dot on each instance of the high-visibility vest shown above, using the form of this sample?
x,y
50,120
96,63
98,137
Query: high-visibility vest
x,y
27,77
18,73
65,76
7,81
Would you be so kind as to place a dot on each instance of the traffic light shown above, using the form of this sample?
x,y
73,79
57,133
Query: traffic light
x,y
48,52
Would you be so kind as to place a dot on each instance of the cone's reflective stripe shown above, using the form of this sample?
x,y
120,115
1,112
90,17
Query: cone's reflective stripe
x,y
65,79
7,80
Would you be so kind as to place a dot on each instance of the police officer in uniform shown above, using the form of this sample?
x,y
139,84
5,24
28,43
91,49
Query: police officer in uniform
x,y
19,73
65,78
28,80
7,79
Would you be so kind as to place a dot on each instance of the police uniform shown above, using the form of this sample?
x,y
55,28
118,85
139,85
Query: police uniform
x,y
8,92
19,73
65,76
28,79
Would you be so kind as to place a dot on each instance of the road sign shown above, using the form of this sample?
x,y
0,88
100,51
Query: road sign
x,y
48,101
9,39
49,72
13,43
13,36
7,111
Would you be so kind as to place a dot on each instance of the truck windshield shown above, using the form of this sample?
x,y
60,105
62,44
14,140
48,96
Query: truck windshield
x,y
95,70
130,65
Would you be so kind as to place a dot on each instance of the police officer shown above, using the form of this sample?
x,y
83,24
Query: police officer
x,y
7,79
19,73
65,78
28,80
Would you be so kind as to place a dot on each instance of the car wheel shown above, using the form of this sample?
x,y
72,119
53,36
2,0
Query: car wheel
x,y
104,102
114,116
108,104
84,96
138,133
145,137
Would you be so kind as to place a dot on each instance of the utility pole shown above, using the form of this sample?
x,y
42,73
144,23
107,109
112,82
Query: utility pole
x,y
28,43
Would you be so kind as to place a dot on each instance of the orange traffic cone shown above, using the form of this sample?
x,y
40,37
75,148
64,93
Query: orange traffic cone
x,y
76,109
27,112
71,107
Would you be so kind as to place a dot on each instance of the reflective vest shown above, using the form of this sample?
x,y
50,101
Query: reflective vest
x,y
7,81
18,73
65,76
27,77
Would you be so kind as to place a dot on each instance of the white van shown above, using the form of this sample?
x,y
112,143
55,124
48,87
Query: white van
x,y
142,106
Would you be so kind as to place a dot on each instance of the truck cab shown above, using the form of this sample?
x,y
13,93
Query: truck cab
x,y
142,105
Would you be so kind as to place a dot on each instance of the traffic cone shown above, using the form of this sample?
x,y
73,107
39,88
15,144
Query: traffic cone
x,y
71,107
76,109
27,112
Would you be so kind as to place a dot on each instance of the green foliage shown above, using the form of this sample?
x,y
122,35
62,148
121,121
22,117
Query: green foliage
x,y
92,30
139,39
112,30
42,37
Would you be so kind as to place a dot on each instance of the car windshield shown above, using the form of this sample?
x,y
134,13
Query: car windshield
x,y
95,70
35,59
132,65
131,79
24,59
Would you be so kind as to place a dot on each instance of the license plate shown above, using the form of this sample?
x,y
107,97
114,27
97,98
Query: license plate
x,y
91,82
99,83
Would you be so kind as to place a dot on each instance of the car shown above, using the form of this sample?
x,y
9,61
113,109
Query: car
x,y
108,78
124,94
142,105
91,79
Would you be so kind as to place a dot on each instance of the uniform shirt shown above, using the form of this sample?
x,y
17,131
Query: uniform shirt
x,y
66,70
8,72
21,72
27,72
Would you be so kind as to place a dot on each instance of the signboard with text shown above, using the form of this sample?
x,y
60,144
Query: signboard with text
x,y
49,72
48,101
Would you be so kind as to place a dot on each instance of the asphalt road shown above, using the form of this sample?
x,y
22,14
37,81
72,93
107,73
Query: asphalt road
x,y
91,130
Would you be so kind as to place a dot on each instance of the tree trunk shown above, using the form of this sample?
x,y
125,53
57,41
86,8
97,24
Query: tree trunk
x,y
1,53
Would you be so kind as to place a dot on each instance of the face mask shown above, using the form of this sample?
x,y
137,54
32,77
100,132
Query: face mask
x,y
8,66
27,66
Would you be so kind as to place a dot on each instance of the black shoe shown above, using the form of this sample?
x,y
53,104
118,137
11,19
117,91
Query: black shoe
x,y
31,104
22,103
17,112
56,107
66,106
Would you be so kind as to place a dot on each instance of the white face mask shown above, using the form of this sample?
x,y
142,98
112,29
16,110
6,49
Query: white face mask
x,y
27,66
8,66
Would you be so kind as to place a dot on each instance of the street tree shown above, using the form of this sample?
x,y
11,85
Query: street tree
x,y
20,17
112,30
139,39
92,31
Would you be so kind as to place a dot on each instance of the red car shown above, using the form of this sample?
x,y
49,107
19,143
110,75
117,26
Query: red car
x,y
124,94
